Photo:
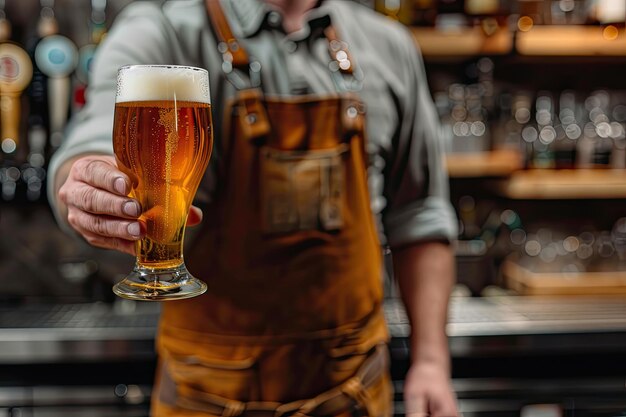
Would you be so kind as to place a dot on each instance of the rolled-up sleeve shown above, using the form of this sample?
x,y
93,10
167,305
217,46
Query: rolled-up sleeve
x,y
139,36
416,182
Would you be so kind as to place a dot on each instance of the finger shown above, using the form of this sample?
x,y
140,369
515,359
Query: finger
x,y
107,227
121,245
445,407
101,174
416,406
195,216
445,412
96,201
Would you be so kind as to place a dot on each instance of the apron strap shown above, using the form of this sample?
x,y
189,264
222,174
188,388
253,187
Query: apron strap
x,y
228,45
252,114
235,56
339,52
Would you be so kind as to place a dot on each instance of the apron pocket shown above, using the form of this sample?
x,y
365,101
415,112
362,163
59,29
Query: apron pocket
x,y
224,378
302,190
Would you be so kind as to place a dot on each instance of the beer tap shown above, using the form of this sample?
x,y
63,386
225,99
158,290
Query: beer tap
x,y
47,24
97,22
57,57
38,119
97,31
16,71
5,25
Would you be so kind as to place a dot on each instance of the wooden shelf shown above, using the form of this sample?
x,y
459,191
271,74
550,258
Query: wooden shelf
x,y
483,164
527,282
546,41
462,42
547,184
575,41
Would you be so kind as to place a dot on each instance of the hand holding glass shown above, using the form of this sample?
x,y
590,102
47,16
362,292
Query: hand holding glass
x,y
162,138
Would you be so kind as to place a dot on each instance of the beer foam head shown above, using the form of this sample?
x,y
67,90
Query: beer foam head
x,y
162,82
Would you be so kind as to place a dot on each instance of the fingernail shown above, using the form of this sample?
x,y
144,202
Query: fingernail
x,y
134,229
130,208
120,185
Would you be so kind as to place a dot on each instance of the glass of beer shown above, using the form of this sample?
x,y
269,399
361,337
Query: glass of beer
x,y
162,138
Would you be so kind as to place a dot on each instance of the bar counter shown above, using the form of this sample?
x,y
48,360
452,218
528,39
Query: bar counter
x,y
508,353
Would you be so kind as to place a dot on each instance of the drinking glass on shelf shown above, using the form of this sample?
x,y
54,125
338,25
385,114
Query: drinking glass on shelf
x,y
162,138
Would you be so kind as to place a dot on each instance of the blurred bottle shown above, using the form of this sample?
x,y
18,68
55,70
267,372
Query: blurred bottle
x,y
423,12
490,15
543,144
607,12
602,135
518,135
451,15
400,10
618,235
468,218
568,131
533,12
568,12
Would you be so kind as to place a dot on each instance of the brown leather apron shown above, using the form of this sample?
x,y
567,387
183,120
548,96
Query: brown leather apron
x,y
292,322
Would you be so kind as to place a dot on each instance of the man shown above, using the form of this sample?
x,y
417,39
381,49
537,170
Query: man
x,y
292,321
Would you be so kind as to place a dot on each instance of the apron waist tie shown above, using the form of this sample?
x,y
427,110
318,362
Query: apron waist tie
x,y
346,397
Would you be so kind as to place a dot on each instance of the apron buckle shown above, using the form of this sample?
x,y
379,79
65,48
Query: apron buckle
x,y
253,118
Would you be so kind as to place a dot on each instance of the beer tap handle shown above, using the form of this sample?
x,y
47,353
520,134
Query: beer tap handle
x,y
5,25
9,122
98,20
16,71
59,99
57,57
85,57
97,31
47,24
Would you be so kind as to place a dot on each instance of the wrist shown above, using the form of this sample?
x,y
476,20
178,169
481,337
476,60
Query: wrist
x,y
432,355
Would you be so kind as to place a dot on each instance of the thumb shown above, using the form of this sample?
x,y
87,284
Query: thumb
x,y
195,216
415,398
415,406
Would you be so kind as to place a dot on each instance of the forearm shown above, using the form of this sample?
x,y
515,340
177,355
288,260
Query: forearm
x,y
425,273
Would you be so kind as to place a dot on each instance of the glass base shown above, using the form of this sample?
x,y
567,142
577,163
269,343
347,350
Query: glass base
x,y
147,284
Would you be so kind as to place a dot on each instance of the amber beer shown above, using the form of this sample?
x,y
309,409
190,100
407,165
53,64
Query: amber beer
x,y
162,140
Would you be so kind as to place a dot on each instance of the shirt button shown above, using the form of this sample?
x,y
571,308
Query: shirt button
x,y
291,46
274,19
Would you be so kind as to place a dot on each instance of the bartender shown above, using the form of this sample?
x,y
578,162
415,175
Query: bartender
x,y
292,323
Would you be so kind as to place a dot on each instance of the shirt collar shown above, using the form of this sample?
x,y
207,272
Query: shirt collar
x,y
248,16
245,16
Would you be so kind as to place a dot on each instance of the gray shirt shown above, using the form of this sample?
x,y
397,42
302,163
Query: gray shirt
x,y
407,180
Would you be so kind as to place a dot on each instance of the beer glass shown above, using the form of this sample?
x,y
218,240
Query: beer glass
x,y
162,138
